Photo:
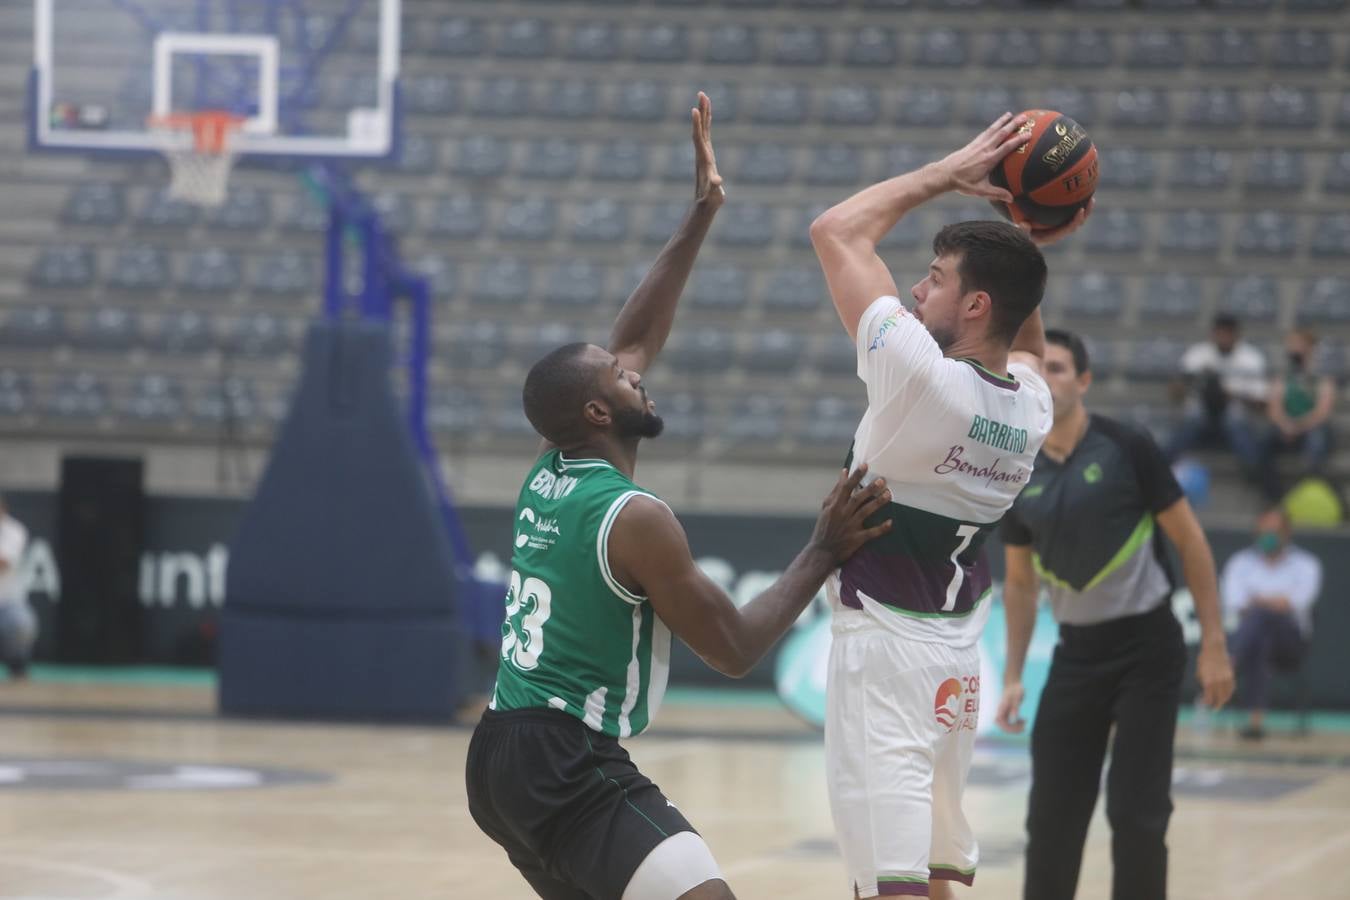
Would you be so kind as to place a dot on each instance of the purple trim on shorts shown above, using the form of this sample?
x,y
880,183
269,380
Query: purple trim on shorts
x,y
902,889
943,873
907,584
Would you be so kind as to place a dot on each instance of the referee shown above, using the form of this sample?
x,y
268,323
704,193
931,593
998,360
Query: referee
x,y
1085,526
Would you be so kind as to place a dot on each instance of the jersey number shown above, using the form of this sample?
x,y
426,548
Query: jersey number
x,y
965,533
524,646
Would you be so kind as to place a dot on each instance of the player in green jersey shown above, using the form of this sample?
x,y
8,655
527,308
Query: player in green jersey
x,y
602,575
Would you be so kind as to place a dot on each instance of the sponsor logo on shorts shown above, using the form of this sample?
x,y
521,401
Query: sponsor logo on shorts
x,y
957,703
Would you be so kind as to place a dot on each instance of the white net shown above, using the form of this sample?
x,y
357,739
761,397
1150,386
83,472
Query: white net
x,y
200,153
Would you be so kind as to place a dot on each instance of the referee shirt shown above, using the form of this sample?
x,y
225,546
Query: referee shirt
x,y
1090,523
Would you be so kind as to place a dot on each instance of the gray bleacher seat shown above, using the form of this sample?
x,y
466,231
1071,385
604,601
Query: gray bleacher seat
x,y
1252,298
1096,295
1244,5
461,216
850,104
1287,107
140,267
898,159
662,42
1331,236
594,42
230,399
1190,232
600,220
357,89
794,289
907,234
774,350
478,345
245,209
286,272
109,328
454,36
184,331
721,287
502,280
731,43
1170,296
578,283
700,350
801,45
94,203
747,224
1126,167
1084,48
160,211
925,106
429,94
1267,233
502,97
683,414
724,95
481,156
455,411
418,154
441,274
754,419
305,213
620,159
1337,178
398,212
799,223
1154,359
1139,107
834,354
1075,103
662,220
210,270
81,395
568,99
1343,112
1156,48
508,421
1276,169
943,48
1324,299
832,421
1114,230
1218,108
151,397
1302,48
33,326
1229,48
766,163
530,345
641,100
1202,168
525,38
260,335
15,393
1316,5
1015,48
835,163
872,45
780,104
552,157
64,266
984,106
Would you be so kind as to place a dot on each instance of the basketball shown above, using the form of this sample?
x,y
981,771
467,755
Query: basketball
x,y
1052,176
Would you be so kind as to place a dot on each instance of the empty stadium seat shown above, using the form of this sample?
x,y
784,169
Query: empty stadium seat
x,y
161,211
1202,168
481,156
1267,233
39,327
731,43
1218,108
662,220
850,104
835,163
1276,169
210,270
943,48
398,212
593,42
260,335
1126,167
746,224
286,272
834,354
1302,48
576,283
532,344
1287,107
1015,48
462,216
525,38
754,419
662,42
1190,232
1324,299
1154,359
983,107
64,266
1074,102
81,395
15,393
478,345
441,274
151,398
802,45
700,350
109,328
683,414
533,218
1229,48
1337,178
721,287
925,106
1096,295
184,331
140,267
774,350
620,159
94,203
766,163
1331,236
1084,48
1156,48
1140,107
872,45
1171,296
429,94
568,99
780,104
1254,298
230,400
503,280
600,220
795,289
305,213
418,154
832,421
641,101
454,36
455,411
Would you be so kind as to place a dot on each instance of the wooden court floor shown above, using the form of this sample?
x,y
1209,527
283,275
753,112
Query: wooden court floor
x,y
383,812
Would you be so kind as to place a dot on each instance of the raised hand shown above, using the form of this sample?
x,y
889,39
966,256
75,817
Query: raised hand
x,y
707,181
967,170
1047,236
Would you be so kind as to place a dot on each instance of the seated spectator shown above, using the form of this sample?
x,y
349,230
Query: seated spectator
x,y
18,625
1225,378
1300,407
1272,587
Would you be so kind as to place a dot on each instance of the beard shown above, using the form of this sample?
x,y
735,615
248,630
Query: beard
x,y
638,423
944,337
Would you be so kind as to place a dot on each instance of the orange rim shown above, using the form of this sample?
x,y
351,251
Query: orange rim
x,y
210,128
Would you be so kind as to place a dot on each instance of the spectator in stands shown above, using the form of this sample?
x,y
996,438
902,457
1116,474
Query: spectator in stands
x,y
18,625
1272,587
1226,380
1299,407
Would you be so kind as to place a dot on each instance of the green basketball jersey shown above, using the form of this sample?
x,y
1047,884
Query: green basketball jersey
x,y
574,638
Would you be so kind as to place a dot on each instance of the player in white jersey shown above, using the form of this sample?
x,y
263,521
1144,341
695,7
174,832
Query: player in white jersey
x,y
957,410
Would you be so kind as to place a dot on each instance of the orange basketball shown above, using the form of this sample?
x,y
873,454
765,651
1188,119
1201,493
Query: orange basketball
x,y
1052,176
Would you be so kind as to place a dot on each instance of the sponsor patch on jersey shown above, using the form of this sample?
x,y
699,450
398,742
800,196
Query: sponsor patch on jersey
x,y
536,532
887,324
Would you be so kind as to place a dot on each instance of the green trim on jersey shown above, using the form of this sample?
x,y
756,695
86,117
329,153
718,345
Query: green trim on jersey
x,y
575,639
1138,539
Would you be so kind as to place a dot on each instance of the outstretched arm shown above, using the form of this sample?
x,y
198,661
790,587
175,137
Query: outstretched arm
x,y
645,321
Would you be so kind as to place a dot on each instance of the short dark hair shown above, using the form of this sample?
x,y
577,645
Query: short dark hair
x,y
1226,320
999,259
556,390
1071,342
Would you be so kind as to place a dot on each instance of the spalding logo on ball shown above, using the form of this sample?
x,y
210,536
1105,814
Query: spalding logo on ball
x,y
1052,176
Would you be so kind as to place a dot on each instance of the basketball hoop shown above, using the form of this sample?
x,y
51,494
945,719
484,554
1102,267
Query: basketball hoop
x,y
200,149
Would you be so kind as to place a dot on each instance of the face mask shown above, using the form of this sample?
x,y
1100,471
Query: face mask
x,y
1268,542
1296,360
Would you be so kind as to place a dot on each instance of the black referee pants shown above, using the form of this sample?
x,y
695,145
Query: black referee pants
x,y
1126,673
